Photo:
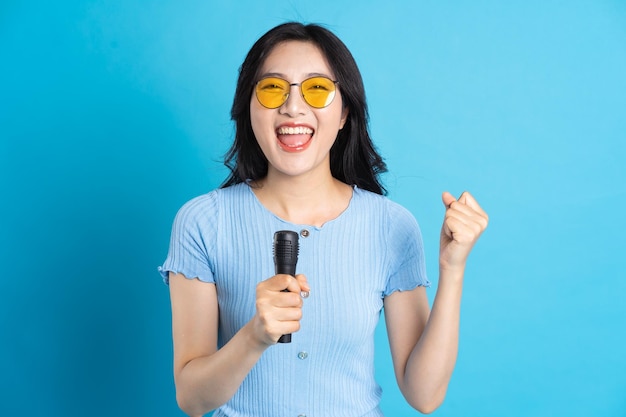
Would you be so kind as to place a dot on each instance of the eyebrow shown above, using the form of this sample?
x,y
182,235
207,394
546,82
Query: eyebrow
x,y
282,76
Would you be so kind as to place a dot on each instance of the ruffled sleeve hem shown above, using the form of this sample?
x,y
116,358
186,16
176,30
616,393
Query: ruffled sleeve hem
x,y
164,271
407,287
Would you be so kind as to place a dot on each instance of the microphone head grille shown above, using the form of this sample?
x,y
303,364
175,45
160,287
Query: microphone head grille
x,y
286,247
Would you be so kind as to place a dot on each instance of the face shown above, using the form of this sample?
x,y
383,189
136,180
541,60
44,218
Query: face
x,y
295,137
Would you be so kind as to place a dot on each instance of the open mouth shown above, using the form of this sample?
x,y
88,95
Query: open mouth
x,y
294,138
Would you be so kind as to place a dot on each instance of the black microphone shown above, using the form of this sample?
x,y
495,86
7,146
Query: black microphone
x,y
285,259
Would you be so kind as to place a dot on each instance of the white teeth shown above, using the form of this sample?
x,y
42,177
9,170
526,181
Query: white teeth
x,y
300,130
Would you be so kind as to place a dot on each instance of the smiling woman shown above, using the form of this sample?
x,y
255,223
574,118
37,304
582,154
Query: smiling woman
x,y
282,128
112,114
305,162
353,158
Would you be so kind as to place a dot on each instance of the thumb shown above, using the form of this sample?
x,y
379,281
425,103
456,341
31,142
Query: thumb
x,y
447,199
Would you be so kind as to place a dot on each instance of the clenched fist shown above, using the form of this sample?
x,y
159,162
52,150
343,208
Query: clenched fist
x,y
279,312
463,224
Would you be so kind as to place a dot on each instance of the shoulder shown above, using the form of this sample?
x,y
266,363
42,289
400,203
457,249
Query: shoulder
x,y
393,212
206,212
197,207
210,202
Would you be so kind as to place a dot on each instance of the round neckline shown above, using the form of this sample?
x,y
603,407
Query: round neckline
x,y
301,225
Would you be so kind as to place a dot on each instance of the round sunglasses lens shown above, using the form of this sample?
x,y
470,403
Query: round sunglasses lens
x,y
319,92
272,92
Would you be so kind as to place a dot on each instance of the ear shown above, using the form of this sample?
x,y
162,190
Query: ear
x,y
344,118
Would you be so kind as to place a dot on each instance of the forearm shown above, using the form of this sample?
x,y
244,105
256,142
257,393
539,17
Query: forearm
x,y
208,382
432,360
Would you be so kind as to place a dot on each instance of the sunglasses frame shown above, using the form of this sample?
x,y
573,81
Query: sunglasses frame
x,y
286,97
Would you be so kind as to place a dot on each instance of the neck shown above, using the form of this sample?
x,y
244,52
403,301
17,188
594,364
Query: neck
x,y
305,199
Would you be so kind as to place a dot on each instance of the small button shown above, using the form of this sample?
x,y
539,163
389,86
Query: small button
x,y
303,355
304,233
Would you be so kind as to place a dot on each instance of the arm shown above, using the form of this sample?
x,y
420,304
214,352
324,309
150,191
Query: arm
x,y
424,344
206,377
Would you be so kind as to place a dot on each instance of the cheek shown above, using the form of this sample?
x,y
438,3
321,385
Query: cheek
x,y
259,121
335,118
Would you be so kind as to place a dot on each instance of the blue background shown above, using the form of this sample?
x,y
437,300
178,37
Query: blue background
x,y
113,114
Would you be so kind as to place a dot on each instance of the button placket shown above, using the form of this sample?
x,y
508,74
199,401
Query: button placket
x,y
303,355
304,233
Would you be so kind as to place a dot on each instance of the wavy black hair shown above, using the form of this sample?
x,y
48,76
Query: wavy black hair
x,y
353,158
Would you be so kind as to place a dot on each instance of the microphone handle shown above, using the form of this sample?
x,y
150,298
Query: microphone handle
x,y
285,259
286,338
289,270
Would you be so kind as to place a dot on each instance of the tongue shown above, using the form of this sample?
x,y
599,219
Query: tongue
x,y
294,141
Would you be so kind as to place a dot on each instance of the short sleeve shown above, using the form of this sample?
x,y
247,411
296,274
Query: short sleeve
x,y
407,265
192,242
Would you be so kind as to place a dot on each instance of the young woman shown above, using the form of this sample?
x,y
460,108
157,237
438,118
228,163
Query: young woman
x,y
303,160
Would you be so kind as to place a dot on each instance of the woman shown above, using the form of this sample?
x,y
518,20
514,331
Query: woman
x,y
303,160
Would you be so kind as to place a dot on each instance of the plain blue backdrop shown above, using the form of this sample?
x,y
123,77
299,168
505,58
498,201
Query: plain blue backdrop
x,y
114,113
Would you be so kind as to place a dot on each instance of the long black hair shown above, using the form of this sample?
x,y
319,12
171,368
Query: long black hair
x,y
353,157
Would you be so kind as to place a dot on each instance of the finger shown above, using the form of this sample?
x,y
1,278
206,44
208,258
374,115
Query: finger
x,y
279,282
303,282
284,327
285,322
475,216
462,232
270,298
287,314
287,300
470,201
460,208
447,199
296,283
467,205
305,289
460,213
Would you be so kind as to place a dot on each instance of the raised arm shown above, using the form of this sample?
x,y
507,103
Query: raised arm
x,y
424,345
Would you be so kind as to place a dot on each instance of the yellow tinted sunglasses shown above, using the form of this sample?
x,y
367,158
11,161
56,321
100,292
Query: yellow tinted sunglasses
x,y
318,92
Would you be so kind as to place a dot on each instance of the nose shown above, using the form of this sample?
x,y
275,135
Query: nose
x,y
295,104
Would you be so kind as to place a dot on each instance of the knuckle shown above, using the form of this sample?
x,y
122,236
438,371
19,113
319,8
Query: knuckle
x,y
295,299
285,280
263,317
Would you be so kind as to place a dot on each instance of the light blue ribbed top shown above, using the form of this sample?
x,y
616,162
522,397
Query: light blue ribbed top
x,y
352,262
